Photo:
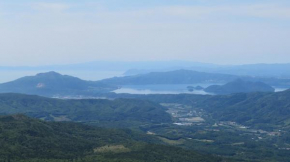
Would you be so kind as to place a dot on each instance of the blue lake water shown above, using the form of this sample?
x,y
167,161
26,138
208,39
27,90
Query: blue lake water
x,y
279,89
161,89
169,89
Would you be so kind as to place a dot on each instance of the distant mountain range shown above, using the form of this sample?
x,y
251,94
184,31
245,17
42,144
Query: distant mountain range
x,y
52,84
239,86
142,67
171,77
254,70
190,77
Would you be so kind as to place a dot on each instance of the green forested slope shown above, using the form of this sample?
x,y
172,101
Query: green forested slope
x,y
261,110
116,112
264,110
26,139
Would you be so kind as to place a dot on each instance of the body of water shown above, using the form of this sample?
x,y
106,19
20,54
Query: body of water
x,y
162,89
279,89
170,89
10,75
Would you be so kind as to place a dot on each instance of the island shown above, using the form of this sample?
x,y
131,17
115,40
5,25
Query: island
x,y
239,86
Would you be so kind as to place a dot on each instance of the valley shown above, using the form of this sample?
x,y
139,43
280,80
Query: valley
x,y
238,126
194,128
144,81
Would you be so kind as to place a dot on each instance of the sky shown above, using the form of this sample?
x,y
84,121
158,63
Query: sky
x,y
38,32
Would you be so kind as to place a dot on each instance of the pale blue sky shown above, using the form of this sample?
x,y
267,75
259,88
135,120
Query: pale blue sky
x,y
35,32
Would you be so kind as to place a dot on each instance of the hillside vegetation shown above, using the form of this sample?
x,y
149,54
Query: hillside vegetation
x,y
265,110
115,113
27,140
261,110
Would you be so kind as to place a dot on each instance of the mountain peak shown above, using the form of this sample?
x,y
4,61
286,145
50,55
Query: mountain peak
x,y
50,73
52,84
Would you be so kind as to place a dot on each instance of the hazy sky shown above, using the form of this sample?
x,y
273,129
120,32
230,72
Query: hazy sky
x,y
35,32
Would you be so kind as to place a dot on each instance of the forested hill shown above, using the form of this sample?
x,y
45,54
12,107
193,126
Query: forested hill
x,y
116,112
265,110
239,86
29,140
52,84
190,77
172,77
261,110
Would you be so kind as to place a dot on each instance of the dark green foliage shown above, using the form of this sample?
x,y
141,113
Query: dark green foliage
x,y
23,138
261,110
159,153
120,111
266,111
26,139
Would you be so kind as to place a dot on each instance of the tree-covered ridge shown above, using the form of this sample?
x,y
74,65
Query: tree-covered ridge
x,y
190,77
266,110
52,83
262,110
26,139
239,86
92,110
171,77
